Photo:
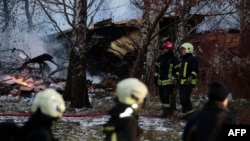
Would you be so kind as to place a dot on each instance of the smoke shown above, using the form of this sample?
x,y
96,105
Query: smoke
x,y
6,79
96,79
33,44
30,43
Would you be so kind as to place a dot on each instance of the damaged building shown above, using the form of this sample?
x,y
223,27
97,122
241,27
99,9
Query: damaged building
x,y
112,46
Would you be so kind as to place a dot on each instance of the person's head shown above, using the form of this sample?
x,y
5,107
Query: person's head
x,y
187,48
217,91
131,91
168,46
49,102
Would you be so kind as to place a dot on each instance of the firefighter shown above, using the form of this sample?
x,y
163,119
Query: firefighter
x,y
187,77
166,68
48,106
207,124
123,124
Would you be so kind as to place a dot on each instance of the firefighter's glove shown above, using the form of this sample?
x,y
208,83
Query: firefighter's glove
x,y
189,80
174,77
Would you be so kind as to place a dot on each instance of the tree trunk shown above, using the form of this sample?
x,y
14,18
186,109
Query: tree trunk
x,y
147,34
152,52
6,29
28,15
76,87
182,25
138,66
245,28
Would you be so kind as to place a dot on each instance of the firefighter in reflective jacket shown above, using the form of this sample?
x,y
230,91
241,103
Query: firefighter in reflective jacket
x,y
47,108
188,77
166,68
123,124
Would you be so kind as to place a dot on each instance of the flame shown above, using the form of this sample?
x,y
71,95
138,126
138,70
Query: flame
x,y
21,81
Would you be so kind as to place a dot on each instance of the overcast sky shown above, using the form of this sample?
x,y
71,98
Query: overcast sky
x,y
117,10
122,9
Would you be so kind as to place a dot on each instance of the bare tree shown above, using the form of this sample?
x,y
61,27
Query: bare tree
x,y
151,17
184,10
75,13
6,6
76,81
29,13
17,19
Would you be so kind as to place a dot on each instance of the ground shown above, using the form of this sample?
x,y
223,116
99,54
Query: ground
x,y
86,124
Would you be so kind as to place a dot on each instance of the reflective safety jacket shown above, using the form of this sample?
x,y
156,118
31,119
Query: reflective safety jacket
x,y
167,65
122,126
188,69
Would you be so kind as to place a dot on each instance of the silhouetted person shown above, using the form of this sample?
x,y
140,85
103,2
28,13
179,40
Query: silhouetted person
x,y
187,78
48,106
207,124
9,131
166,67
123,124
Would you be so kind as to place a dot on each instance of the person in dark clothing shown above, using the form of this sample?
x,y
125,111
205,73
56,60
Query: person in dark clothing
x,y
123,124
207,124
187,78
166,68
48,106
9,131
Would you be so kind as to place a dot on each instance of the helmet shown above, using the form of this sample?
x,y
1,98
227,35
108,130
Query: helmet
x,y
131,91
50,103
189,47
168,45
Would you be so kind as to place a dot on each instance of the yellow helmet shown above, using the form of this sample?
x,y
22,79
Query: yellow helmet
x,y
189,47
131,91
50,103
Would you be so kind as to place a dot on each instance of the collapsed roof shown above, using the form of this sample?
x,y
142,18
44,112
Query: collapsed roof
x,y
115,43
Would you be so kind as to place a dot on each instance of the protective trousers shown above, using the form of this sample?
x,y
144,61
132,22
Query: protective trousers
x,y
185,93
165,92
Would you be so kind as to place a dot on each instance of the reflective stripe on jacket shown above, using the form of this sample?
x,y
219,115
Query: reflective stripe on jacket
x,y
120,126
167,65
188,70
110,131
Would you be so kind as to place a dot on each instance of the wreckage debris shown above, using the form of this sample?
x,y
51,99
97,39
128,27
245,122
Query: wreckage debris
x,y
18,86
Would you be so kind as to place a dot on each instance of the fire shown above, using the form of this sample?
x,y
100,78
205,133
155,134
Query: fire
x,y
21,81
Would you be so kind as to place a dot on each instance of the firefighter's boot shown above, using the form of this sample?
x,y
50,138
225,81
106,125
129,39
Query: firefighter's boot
x,y
170,111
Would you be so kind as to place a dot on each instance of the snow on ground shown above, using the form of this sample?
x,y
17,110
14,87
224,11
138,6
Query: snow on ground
x,y
85,128
146,123
89,127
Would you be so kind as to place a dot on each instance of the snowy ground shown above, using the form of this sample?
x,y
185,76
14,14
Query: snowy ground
x,y
89,127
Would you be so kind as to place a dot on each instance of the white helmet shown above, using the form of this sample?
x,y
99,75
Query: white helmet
x,y
189,47
50,103
131,91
